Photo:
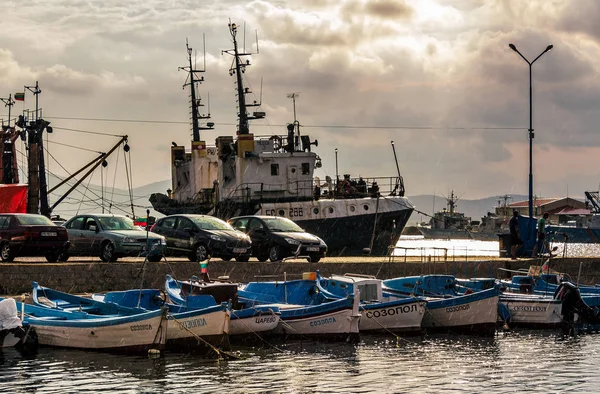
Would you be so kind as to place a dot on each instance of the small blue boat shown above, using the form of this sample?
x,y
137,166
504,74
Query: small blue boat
x,y
200,329
447,309
305,311
81,330
195,294
378,313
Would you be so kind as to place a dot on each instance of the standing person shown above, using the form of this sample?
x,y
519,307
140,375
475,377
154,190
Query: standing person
x,y
515,236
541,236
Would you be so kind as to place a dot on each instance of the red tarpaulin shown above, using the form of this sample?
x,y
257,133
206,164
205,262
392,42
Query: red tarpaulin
x,y
13,198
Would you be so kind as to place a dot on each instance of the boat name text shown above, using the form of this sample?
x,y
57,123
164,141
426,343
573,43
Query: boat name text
x,y
141,327
265,320
458,308
392,311
529,308
321,322
201,322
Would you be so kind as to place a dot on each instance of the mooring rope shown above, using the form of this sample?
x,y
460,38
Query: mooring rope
x,y
201,340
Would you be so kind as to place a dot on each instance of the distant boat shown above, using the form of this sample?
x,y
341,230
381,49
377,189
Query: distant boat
x,y
448,223
585,227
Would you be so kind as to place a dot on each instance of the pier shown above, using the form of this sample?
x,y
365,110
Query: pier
x,y
86,275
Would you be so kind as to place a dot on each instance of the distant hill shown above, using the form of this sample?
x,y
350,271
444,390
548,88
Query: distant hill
x,y
117,201
473,208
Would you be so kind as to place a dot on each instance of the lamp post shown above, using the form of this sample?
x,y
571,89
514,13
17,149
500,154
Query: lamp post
x,y
514,48
337,176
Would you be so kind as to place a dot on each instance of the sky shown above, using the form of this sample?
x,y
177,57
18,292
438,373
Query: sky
x,y
436,77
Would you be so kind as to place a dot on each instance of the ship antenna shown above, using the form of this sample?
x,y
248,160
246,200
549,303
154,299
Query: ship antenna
x,y
400,183
238,68
191,81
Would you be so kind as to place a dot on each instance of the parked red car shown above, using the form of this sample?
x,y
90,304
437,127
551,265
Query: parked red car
x,y
31,235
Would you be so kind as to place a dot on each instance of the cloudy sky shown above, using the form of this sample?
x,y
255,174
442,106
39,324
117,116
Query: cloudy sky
x,y
437,77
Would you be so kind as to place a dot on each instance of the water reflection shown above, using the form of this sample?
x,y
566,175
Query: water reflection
x,y
515,361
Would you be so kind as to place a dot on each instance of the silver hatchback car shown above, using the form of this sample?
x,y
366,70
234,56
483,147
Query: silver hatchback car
x,y
110,237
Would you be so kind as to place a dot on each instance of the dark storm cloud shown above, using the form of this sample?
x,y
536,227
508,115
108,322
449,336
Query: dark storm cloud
x,y
392,9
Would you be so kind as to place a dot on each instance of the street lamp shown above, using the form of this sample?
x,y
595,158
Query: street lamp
x,y
514,48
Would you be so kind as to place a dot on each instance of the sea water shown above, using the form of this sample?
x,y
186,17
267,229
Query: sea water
x,y
511,362
417,245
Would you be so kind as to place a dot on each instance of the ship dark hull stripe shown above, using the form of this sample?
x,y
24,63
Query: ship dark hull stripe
x,y
348,236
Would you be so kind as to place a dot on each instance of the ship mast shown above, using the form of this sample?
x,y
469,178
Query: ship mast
x,y
192,81
237,68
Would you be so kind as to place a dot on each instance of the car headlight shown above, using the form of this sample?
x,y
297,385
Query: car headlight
x,y
128,240
217,238
292,241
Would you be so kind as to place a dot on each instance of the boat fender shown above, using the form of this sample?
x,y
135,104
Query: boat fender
x,y
504,313
468,291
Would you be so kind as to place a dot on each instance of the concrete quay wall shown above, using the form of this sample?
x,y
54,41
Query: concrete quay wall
x,y
95,276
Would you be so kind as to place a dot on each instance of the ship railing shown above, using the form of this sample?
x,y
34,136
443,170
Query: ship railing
x,y
300,190
345,187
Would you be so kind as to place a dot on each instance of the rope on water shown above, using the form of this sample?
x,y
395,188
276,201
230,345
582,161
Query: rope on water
x,y
201,340
397,337
260,337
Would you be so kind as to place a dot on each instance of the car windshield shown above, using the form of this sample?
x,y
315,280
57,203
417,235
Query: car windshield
x,y
34,220
117,223
210,223
282,225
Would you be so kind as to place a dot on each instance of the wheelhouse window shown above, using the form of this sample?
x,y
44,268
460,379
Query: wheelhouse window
x,y
274,169
305,168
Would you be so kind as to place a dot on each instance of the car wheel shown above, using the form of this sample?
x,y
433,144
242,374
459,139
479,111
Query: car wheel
x,y
52,257
6,253
262,257
242,259
63,256
226,258
314,259
199,253
108,252
274,253
155,258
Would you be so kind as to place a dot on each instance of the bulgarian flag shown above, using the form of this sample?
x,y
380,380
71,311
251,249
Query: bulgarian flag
x,y
20,96
140,222
204,267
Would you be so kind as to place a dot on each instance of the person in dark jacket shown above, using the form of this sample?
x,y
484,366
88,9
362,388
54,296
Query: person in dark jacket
x,y
515,236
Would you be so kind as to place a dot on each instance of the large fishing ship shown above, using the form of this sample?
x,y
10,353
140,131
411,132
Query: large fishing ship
x,y
274,175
